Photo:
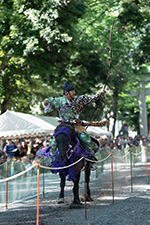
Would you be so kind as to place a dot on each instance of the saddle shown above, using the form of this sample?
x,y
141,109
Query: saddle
x,y
80,126
77,124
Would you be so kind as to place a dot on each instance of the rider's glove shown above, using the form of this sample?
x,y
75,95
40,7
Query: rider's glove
x,y
46,105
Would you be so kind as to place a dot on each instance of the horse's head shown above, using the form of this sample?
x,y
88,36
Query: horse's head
x,y
62,145
63,135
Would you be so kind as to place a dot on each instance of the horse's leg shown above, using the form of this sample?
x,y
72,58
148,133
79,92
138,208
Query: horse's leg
x,y
76,189
76,201
62,186
87,181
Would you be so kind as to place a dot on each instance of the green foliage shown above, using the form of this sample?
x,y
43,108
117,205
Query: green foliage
x,y
36,38
134,19
128,111
45,43
131,15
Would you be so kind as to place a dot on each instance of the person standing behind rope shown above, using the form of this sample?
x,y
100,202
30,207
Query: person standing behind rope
x,y
9,149
69,108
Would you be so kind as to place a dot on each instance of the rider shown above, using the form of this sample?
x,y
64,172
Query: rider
x,y
69,108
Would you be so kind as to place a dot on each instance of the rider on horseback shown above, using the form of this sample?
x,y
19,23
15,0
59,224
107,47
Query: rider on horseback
x,y
69,108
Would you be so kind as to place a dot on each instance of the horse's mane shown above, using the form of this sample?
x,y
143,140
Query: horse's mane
x,y
70,130
65,125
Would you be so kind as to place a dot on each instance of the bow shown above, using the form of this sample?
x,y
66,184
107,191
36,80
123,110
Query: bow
x,y
109,71
110,65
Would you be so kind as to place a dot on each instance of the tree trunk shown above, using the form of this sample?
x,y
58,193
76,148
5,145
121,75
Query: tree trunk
x,y
3,65
114,111
4,106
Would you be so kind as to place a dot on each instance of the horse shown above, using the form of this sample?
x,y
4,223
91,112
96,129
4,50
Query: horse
x,y
70,150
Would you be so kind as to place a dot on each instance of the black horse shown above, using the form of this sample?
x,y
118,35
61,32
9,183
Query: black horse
x,y
70,151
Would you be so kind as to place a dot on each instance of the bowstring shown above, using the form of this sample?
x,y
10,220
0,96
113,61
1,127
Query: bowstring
x,y
110,65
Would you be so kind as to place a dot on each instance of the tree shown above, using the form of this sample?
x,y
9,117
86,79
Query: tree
x,y
36,39
44,43
134,19
94,31
135,22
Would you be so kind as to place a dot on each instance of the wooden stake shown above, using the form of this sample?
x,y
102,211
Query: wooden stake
x,y
131,170
112,172
85,188
146,164
6,185
38,193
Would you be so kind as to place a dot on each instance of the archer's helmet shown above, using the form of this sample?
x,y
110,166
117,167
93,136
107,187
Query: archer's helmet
x,y
67,87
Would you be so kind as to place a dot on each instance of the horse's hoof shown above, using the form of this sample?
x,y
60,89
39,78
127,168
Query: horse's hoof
x,y
89,199
76,205
86,198
60,200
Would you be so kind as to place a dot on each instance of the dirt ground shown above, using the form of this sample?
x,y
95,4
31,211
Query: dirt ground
x,y
131,205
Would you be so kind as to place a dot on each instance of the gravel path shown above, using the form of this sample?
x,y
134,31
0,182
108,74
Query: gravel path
x,y
129,208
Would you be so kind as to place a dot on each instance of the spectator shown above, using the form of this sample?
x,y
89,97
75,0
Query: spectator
x,y
2,157
135,141
17,149
40,147
9,149
35,148
23,149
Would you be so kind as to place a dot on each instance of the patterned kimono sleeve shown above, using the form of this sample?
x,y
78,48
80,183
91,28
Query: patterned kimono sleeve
x,y
94,98
80,102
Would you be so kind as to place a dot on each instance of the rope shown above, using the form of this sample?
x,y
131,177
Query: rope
x,y
17,175
119,157
61,168
136,153
3,163
50,168
120,150
98,160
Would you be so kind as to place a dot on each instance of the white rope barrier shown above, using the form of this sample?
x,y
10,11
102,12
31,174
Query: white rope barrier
x,y
98,160
3,163
136,153
61,168
119,157
50,168
65,167
17,175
